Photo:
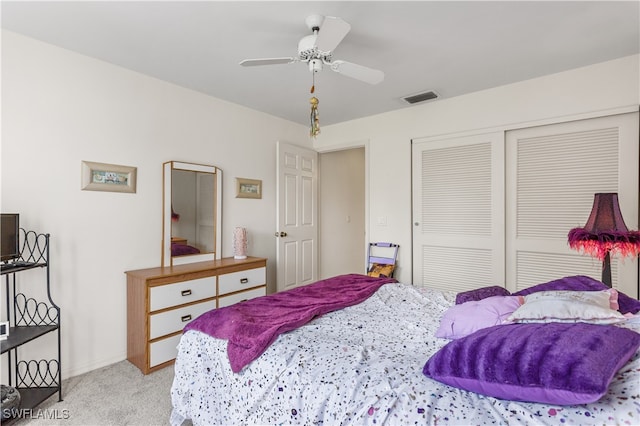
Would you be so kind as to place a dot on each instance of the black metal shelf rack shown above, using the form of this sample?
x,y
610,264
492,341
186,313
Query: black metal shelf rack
x,y
29,319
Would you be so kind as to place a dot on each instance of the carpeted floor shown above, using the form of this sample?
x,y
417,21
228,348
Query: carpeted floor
x,y
118,394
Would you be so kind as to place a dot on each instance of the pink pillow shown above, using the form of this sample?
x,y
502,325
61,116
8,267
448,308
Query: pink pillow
x,y
466,318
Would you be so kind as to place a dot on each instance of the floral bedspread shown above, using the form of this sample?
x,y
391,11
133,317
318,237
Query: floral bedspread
x,y
362,365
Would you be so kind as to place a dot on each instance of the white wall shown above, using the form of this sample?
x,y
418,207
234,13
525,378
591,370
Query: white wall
x,y
59,108
584,92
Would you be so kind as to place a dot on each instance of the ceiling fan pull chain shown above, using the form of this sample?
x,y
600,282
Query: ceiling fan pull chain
x,y
313,82
315,121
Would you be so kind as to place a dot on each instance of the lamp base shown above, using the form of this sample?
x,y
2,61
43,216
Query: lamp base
x,y
606,270
244,257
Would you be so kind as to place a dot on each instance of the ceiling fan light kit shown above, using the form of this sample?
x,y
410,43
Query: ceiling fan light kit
x,y
315,65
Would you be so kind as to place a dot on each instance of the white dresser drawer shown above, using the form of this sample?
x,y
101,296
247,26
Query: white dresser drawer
x,y
239,297
237,281
165,296
163,350
174,320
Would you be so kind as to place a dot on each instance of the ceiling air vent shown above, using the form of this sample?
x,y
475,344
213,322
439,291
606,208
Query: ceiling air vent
x,y
420,97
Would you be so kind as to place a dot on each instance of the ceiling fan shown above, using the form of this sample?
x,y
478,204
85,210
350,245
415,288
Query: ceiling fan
x,y
316,50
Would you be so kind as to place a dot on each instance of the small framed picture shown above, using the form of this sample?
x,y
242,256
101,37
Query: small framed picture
x,y
108,177
248,188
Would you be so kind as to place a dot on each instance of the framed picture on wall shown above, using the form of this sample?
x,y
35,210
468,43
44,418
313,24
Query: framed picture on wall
x,y
248,188
108,177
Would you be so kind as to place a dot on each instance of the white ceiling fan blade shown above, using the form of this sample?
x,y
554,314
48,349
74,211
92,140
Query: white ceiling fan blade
x,y
359,72
331,33
267,61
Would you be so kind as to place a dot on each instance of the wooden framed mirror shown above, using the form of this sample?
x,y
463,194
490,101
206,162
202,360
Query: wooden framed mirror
x,y
191,213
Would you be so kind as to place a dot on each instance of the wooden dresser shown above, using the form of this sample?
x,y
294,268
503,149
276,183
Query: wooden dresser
x,y
161,301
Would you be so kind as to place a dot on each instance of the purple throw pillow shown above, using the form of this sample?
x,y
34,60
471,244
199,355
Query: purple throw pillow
x,y
553,363
583,283
481,293
461,320
576,283
628,304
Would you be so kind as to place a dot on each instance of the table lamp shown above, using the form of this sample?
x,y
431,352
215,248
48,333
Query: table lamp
x,y
605,234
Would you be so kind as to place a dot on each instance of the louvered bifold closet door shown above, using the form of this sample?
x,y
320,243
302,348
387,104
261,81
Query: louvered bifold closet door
x,y
458,212
552,174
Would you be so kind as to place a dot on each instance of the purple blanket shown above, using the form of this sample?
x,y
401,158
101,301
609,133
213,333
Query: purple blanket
x,y
251,326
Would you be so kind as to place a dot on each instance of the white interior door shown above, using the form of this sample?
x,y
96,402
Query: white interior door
x,y
495,209
458,212
297,216
552,173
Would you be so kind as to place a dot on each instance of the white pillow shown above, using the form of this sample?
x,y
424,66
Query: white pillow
x,y
567,306
605,298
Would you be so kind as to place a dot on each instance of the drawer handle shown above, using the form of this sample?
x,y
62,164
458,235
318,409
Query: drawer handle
x,y
186,318
244,280
186,292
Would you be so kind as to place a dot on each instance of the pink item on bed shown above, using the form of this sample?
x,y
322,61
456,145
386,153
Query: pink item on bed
x,y
251,326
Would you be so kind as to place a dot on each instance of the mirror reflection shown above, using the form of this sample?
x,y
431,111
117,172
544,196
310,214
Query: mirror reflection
x,y
191,213
192,195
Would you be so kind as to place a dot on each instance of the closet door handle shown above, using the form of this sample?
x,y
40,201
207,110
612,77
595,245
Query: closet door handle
x,y
186,292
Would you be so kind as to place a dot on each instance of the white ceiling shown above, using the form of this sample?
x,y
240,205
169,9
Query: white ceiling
x,y
451,47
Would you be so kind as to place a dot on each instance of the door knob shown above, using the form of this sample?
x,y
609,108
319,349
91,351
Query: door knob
x,y
281,234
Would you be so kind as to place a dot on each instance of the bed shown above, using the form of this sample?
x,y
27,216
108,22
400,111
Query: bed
x,y
367,364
